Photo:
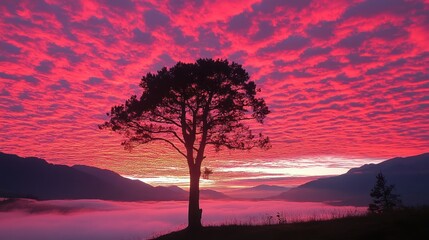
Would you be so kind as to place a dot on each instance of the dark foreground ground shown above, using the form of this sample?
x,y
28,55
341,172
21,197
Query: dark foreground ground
x,y
403,224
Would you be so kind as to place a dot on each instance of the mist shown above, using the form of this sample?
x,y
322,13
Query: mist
x,y
96,219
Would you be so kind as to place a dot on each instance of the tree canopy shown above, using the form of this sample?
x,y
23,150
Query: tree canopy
x,y
193,105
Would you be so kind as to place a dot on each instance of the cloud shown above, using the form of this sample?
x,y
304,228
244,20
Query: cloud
x,y
330,64
97,28
345,79
107,73
163,60
119,5
8,48
321,30
8,76
265,30
16,108
237,56
289,44
353,41
60,14
240,23
29,79
122,61
61,84
337,98
63,52
11,7
45,66
315,51
94,81
26,95
208,44
155,19
8,52
177,5
295,73
268,6
355,58
17,21
389,32
180,38
93,95
4,93
386,67
370,8
142,37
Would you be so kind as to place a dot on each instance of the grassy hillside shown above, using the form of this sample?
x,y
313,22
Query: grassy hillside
x,y
403,224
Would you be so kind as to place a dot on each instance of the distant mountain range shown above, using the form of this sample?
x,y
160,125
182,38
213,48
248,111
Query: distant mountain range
x,y
262,191
35,178
410,175
204,193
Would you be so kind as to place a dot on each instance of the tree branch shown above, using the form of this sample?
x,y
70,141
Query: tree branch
x,y
168,120
151,130
171,143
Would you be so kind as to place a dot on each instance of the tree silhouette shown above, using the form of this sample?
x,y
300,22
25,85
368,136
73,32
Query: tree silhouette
x,y
383,199
190,106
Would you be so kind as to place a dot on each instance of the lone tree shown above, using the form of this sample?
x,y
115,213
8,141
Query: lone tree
x,y
191,106
383,199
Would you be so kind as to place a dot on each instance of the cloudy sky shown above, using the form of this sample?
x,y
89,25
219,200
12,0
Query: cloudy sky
x,y
347,81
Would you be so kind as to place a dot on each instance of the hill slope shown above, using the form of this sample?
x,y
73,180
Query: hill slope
x,y
410,175
36,178
404,224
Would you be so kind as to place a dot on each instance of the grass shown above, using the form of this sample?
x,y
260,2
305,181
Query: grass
x,y
410,223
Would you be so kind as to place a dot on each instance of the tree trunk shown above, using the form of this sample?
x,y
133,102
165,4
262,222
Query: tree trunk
x,y
194,211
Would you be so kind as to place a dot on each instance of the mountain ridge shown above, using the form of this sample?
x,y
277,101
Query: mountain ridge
x,y
410,175
36,178
262,191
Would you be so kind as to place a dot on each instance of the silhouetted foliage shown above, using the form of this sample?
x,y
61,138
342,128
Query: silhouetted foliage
x,y
281,219
383,198
190,106
207,172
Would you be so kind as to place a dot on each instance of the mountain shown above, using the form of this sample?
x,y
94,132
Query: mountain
x,y
204,193
212,194
35,178
258,192
410,175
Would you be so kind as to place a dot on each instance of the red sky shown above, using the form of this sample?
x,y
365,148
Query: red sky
x,y
347,81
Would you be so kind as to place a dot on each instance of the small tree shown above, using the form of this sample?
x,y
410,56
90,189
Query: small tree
x,y
383,199
191,106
